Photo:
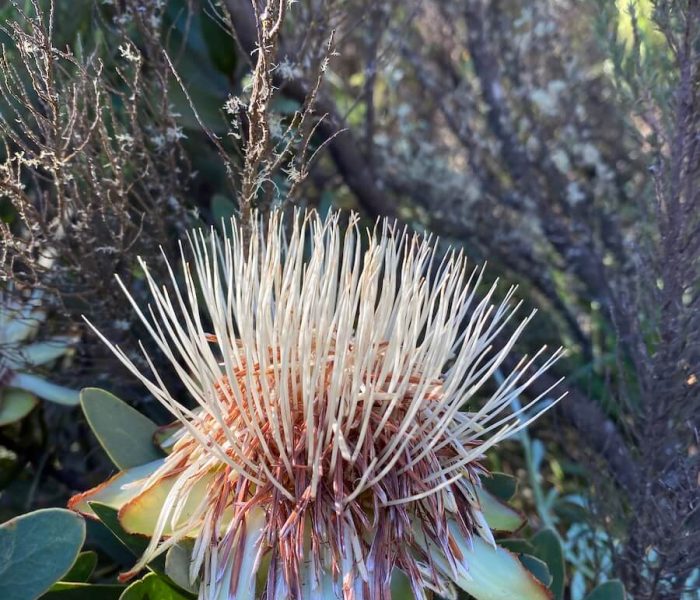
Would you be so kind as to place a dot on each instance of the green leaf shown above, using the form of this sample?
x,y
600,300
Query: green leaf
x,y
548,548
487,572
400,586
220,44
36,550
163,437
22,324
116,491
124,433
517,545
109,517
135,543
15,405
64,590
498,515
108,543
222,208
45,389
140,514
500,485
285,106
152,587
40,353
10,468
177,564
610,590
537,567
495,573
82,568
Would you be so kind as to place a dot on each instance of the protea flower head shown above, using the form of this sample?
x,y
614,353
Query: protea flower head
x,y
341,416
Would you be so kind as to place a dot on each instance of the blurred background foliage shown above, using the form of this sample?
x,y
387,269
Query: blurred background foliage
x,y
559,140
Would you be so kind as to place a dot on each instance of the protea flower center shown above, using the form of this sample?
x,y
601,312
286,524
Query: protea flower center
x,y
340,419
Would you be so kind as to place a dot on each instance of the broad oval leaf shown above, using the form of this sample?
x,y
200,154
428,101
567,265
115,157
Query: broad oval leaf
x,y
537,567
36,550
124,433
501,485
610,590
222,209
15,405
548,548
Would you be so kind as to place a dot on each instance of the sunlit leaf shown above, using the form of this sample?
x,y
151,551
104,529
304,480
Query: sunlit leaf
x,y
140,514
496,574
114,492
498,515
486,572
22,325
